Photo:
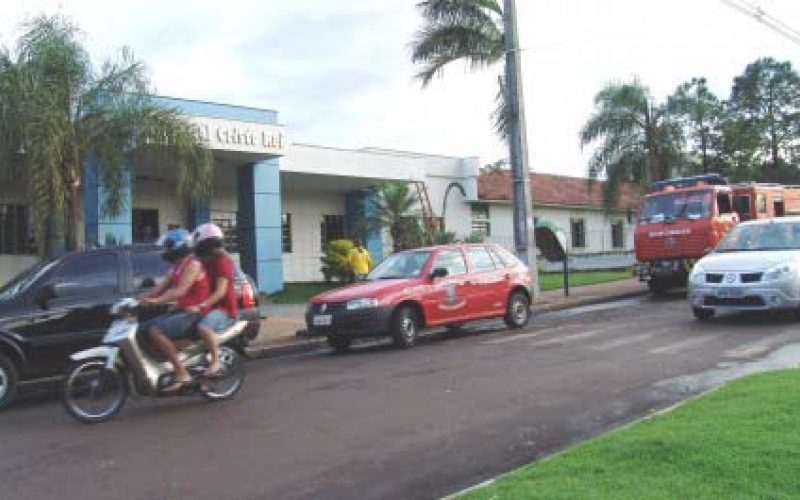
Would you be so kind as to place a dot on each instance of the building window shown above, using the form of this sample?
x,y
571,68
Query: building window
x,y
286,232
578,231
227,222
16,231
480,219
618,234
331,228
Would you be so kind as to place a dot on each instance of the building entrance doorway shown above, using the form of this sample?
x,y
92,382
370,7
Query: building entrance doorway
x,y
145,225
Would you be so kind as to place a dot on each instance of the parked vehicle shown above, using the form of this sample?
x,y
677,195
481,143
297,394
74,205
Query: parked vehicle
x,y
416,289
61,306
684,218
97,384
756,267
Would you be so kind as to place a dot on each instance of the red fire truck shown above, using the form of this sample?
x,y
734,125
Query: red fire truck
x,y
683,219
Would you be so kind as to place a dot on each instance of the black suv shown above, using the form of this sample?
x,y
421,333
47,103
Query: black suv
x,y
61,306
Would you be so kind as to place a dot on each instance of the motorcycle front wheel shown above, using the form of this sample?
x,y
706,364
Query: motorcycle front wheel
x,y
230,379
92,393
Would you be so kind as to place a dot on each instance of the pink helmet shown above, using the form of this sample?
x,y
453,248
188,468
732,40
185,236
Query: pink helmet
x,y
207,231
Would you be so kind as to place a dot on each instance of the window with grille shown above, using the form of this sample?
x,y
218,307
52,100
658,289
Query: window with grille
x,y
618,234
16,231
578,233
331,228
227,222
286,232
480,219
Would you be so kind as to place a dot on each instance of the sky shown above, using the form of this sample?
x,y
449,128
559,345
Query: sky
x,y
339,72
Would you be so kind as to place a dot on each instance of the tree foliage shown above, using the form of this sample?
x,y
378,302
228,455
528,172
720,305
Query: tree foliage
x,y
470,31
60,116
396,208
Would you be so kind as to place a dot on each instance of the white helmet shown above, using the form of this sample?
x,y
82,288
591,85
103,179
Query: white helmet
x,y
207,231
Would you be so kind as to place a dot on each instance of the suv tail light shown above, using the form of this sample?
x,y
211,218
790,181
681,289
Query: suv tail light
x,y
248,296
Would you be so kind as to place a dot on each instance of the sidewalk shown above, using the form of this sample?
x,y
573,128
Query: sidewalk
x,y
279,329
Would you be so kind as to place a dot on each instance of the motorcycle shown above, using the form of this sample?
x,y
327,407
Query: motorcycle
x,y
99,381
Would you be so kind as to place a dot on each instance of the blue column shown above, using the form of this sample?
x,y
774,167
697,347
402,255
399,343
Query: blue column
x,y
374,241
259,224
100,228
199,213
359,206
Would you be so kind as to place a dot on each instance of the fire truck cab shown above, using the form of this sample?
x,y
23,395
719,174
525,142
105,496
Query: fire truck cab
x,y
683,219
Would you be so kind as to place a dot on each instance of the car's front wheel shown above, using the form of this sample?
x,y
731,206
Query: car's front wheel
x,y
8,381
703,314
405,325
518,311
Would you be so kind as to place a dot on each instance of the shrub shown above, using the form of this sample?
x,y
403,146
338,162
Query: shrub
x,y
334,262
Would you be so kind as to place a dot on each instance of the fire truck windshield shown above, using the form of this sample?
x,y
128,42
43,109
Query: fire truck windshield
x,y
672,206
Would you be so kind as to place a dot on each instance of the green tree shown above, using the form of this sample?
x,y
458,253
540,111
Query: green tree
x,y
470,31
699,112
396,208
637,140
765,101
59,115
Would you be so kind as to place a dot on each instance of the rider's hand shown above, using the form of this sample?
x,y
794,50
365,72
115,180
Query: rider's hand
x,y
194,309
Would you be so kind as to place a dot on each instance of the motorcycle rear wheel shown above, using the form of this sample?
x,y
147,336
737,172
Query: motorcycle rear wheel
x,y
231,378
91,393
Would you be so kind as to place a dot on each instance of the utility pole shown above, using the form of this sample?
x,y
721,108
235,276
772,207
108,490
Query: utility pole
x,y
517,143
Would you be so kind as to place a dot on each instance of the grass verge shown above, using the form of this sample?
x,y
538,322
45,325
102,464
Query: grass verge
x,y
741,441
299,293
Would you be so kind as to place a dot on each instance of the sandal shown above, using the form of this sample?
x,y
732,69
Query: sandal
x,y
176,386
215,373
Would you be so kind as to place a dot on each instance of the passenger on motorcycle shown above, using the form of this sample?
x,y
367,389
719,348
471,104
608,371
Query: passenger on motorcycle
x,y
186,284
208,247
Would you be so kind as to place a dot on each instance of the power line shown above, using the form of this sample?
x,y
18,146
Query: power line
x,y
764,18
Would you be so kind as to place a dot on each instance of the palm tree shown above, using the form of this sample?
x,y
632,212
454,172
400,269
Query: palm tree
x,y
397,208
638,141
462,30
58,116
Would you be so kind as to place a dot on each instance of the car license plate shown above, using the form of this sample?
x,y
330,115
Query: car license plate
x,y
322,320
729,292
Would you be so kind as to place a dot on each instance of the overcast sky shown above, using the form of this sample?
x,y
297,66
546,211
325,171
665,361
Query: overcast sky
x,y
338,72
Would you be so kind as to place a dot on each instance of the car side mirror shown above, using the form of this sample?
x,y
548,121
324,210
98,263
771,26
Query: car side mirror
x,y
44,295
439,272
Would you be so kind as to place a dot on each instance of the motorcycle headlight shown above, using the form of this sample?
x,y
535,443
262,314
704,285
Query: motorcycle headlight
x,y
780,272
361,304
698,274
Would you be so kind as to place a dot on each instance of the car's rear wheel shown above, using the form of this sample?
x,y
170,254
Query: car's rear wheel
x,y
340,345
8,381
518,311
703,314
405,326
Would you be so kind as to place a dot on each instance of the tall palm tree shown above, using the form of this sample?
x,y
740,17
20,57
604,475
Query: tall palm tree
x,y
637,140
462,30
58,115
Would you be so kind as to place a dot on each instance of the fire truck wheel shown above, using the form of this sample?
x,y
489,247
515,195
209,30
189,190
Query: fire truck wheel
x,y
657,286
703,314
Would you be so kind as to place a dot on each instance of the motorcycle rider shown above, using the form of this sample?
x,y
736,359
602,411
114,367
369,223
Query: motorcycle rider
x,y
186,284
208,247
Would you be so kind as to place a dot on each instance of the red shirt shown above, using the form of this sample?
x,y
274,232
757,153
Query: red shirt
x,y
221,266
197,292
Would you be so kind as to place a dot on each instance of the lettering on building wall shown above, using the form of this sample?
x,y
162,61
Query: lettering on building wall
x,y
221,134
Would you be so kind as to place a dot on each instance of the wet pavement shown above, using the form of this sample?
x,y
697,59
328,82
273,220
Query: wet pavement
x,y
382,423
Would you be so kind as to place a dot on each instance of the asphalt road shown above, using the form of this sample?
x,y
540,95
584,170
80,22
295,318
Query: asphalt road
x,y
388,424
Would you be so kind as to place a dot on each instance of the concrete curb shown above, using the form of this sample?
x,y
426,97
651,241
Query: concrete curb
x,y
306,345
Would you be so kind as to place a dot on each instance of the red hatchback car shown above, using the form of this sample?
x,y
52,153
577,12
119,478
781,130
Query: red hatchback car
x,y
425,287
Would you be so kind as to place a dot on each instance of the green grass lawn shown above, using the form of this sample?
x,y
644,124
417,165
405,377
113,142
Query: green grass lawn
x,y
299,293
739,442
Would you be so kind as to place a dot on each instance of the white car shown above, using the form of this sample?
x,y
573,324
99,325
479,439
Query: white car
x,y
756,267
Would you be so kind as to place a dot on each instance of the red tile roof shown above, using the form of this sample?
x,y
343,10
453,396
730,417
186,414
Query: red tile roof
x,y
549,189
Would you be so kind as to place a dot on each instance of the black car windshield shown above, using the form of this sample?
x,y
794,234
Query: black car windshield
x,y
779,235
401,265
672,206
23,280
